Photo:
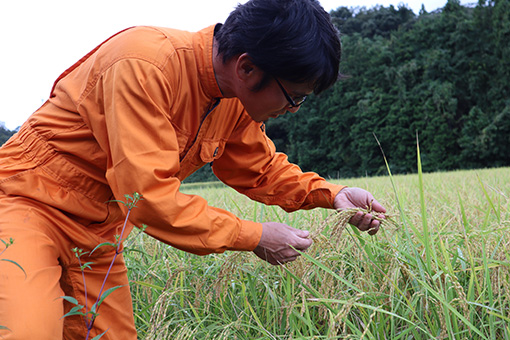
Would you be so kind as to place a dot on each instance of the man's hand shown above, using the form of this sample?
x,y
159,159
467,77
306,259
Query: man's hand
x,y
276,241
358,198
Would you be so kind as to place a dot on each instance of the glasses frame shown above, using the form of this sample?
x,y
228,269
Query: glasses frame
x,y
291,101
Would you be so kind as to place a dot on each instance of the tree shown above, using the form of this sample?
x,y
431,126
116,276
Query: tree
x,y
444,75
5,134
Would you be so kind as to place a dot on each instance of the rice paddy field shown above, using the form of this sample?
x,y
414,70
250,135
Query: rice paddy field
x,y
439,268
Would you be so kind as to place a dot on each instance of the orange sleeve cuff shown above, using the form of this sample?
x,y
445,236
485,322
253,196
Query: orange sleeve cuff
x,y
249,236
325,198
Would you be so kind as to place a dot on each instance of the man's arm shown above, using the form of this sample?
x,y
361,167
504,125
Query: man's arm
x,y
251,165
143,156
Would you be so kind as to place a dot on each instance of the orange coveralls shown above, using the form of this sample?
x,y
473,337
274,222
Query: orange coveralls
x,y
141,112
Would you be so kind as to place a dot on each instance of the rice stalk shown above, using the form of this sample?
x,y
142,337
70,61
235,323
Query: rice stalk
x,y
338,220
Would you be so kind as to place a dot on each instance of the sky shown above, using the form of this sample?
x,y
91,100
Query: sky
x,y
40,39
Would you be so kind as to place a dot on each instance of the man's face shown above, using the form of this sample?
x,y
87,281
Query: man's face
x,y
271,101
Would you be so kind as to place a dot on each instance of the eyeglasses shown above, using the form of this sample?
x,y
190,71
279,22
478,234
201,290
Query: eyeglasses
x,y
293,102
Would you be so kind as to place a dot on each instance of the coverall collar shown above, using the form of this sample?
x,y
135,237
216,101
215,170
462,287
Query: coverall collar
x,y
203,46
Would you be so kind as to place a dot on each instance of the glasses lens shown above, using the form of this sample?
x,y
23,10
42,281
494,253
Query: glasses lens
x,y
299,100
293,102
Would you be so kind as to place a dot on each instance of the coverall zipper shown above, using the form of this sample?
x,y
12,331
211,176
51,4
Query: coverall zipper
x,y
211,108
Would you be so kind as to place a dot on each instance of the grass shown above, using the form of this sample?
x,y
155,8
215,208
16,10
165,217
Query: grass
x,y
439,270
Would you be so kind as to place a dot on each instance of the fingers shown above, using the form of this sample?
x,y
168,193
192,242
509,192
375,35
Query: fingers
x,y
365,222
373,231
302,243
357,198
277,258
291,252
285,260
361,220
300,240
280,243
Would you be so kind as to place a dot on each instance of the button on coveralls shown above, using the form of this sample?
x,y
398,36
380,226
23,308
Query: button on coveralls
x,y
137,114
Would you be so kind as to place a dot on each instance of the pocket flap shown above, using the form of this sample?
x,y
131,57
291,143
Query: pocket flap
x,y
211,150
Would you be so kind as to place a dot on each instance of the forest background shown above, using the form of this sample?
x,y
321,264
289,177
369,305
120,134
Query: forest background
x,y
443,76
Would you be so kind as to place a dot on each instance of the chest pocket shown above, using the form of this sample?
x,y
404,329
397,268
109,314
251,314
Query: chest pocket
x,y
208,152
211,150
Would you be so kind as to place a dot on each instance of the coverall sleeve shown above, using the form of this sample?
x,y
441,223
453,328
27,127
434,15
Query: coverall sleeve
x,y
143,156
251,165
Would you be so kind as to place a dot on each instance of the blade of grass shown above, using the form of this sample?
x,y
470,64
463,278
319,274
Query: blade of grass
x,y
405,223
452,309
375,309
426,232
488,198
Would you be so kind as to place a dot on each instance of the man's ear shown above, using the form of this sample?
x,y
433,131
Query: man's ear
x,y
245,69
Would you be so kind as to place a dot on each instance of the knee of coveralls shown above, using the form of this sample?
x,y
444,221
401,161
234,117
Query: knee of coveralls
x,y
43,249
115,313
30,307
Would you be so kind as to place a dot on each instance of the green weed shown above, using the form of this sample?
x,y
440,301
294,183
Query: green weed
x,y
90,314
7,244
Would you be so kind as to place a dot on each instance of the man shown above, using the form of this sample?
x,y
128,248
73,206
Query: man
x,y
140,113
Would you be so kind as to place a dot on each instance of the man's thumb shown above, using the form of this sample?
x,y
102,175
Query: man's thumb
x,y
302,233
376,206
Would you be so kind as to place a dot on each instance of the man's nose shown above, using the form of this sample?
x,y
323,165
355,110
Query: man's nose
x,y
293,109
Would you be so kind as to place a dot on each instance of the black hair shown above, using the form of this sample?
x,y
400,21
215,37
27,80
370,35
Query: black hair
x,y
288,39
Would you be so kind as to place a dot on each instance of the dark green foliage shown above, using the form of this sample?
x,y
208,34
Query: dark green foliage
x,y
444,76
371,22
5,134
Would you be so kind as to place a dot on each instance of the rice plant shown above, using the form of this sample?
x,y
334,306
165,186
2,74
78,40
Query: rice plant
x,y
437,269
